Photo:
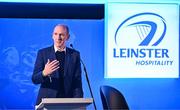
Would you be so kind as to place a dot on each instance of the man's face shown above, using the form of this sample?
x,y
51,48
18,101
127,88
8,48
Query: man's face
x,y
60,36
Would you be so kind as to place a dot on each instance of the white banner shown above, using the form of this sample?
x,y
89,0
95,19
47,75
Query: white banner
x,y
142,41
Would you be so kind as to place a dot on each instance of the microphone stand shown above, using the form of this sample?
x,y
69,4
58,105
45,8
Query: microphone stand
x,y
87,79
88,84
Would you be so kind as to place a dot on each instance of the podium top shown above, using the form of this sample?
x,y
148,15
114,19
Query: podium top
x,y
64,102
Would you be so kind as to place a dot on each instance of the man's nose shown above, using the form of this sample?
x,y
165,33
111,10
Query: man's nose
x,y
60,36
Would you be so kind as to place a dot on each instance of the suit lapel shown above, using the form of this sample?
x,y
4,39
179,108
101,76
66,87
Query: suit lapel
x,y
52,57
67,61
52,54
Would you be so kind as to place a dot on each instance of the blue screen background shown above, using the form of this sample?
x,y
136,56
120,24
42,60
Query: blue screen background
x,y
20,39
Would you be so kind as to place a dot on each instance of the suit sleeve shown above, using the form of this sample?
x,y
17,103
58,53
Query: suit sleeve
x,y
37,76
77,81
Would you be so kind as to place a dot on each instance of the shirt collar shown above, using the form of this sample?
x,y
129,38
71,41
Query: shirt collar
x,y
56,49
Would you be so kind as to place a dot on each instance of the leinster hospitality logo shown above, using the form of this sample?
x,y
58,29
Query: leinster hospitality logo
x,y
146,29
139,36
141,41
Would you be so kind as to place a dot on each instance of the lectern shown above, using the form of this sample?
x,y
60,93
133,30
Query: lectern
x,y
64,104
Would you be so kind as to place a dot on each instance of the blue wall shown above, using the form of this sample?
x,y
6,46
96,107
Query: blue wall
x,y
21,38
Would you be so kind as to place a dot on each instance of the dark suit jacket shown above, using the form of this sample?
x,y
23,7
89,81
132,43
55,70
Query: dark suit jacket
x,y
72,75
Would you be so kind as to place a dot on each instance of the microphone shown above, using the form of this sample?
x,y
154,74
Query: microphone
x,y
87,79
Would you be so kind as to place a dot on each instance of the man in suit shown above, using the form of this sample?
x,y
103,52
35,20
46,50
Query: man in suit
x,y
58,69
